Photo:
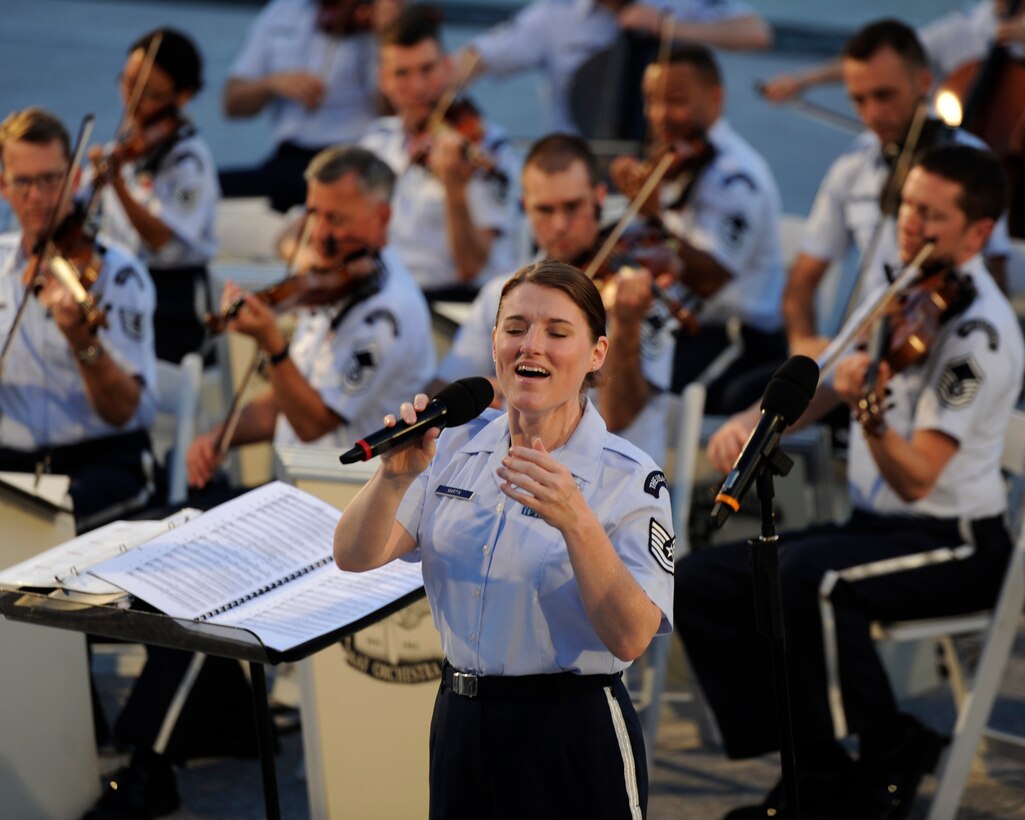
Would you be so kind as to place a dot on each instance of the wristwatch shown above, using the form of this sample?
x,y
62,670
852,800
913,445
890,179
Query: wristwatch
x,y
274,359
90,354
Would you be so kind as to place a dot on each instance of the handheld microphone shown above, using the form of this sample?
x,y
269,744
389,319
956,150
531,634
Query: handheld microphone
x,y
456,404
786,398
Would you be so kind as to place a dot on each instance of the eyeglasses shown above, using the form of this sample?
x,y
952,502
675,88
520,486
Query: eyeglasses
x,y
127,85
46,182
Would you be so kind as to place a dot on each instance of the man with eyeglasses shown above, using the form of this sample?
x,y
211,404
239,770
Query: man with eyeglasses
x,y
73,400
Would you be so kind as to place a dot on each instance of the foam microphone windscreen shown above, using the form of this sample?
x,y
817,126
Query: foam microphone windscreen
x,y
465,399
791,388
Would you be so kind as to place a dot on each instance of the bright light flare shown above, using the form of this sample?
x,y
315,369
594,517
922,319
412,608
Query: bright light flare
x,y
948,108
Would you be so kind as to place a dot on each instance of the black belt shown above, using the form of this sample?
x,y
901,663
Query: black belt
x,y
522,686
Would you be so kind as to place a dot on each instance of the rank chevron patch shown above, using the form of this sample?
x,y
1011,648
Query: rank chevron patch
x,y
661,545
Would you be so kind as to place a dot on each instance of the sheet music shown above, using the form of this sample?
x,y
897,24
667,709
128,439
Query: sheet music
x,y
67,564
320,602
261,562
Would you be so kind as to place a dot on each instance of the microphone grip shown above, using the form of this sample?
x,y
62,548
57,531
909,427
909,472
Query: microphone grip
x,y
388,438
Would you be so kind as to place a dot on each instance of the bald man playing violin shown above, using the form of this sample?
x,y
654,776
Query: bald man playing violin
x,y
75,399
924,477
719,207
350,359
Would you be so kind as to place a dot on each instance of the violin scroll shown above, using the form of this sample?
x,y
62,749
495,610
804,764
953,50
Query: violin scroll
x,y
342,18
136,143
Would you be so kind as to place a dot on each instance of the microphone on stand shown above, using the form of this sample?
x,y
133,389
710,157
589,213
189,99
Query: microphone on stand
x,y
786,398
456,404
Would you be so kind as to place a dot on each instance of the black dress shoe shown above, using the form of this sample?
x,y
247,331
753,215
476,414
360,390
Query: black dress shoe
x,y
143,789
893,771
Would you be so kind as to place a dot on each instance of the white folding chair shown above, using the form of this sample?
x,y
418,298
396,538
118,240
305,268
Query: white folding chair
x,y
974,698
178,388
650,675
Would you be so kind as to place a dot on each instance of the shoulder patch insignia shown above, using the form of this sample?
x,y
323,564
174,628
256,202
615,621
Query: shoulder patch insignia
x,y
127,274
966,328
661,545
734,228
386,316
131,323
186,197
959,383
654,483
741,177
361,368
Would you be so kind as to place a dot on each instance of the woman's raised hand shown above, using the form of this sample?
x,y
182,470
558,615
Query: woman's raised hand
x,y
536,479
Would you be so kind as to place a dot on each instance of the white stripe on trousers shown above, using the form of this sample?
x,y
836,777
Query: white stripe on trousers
x,y
627,753
853,574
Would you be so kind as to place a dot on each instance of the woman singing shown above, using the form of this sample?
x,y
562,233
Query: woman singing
x,y
547,553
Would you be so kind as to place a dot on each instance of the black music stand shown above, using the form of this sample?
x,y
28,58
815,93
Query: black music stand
x,y
141,626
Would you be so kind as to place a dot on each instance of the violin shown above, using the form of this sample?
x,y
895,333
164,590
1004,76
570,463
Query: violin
x,y
922,135
651,246
315,287
909,327
75,263
139,141
67,251
683,157
464,118
341,18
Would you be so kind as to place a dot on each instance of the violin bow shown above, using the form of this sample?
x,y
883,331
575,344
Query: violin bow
x,y
127,113
46,246
231,419
839,346
467,63
135,97
657,173
890,198
820,113
654,178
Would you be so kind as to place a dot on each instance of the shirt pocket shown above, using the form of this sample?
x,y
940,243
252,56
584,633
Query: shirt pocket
x,y
861,215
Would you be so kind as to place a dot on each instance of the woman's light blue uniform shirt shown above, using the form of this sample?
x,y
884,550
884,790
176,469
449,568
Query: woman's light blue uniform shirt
x,y
499,578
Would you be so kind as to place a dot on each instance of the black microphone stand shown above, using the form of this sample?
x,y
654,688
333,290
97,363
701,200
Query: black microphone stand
x,y
768,603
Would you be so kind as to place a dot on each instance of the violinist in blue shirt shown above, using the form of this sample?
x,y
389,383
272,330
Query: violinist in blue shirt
x,y
547,553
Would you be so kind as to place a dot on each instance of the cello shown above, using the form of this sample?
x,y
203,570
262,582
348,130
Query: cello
x,y
989,96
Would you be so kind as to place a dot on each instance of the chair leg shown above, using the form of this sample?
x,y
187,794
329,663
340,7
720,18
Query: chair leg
x,y
972,720
178,703
956,677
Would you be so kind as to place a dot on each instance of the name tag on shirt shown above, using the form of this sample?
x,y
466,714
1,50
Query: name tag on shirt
x,y
454,492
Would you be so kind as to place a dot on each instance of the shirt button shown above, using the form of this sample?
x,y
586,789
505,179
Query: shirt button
x,y
476,593
486,549
473,636
499,507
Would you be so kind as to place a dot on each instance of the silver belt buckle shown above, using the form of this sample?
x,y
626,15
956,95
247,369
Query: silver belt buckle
x,y
464,684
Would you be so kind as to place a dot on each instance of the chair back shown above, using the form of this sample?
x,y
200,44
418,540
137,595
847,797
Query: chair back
x,y
178,388
686,445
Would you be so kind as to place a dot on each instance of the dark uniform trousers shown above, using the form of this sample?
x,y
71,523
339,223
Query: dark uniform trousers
x,y
177,328
280,177
103,471
744,381
540,746
715,619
